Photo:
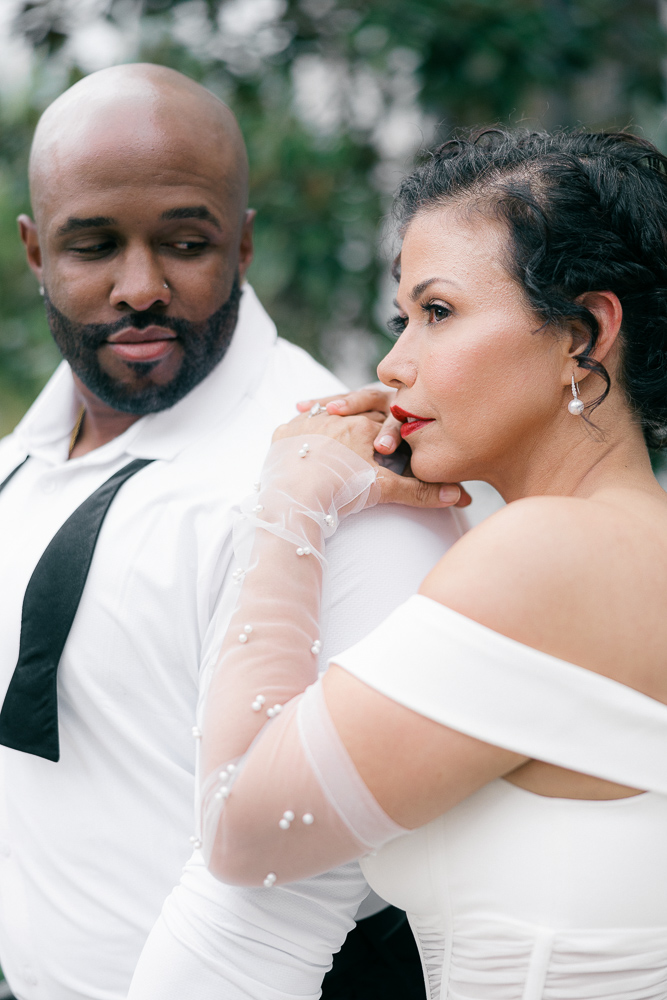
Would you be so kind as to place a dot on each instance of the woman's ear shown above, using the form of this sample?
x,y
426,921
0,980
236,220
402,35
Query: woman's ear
x,y
608,311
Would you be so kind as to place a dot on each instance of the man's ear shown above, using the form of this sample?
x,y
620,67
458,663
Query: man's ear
x,y
30,240
246,248
608,311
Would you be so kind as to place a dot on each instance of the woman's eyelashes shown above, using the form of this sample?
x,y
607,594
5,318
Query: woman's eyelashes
x,y
436,311
397,324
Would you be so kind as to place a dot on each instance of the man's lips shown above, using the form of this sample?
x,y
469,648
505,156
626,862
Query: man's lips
x,y
151,344
410,422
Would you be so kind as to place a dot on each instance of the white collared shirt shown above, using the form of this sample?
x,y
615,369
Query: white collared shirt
x,y
91,846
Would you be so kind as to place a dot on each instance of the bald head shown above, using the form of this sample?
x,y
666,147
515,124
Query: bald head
x,y
139,183
130,115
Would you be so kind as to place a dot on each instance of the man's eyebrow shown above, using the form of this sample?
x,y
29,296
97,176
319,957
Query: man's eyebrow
x,y
423,285
94,222
191,212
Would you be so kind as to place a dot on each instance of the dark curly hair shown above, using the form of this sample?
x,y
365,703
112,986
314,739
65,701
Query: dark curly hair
x,y
586,212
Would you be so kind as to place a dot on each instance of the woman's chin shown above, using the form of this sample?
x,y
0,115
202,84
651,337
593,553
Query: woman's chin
x,y
433,465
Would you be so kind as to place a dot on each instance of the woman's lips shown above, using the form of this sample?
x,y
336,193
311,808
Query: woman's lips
x,y
410,426
151,344
410,422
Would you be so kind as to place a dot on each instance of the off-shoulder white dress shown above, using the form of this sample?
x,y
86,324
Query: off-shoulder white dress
x,y
513,895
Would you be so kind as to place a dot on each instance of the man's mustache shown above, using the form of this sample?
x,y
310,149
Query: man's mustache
x,y
95,334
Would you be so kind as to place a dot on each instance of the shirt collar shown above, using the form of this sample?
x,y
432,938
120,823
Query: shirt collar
x,y
45,429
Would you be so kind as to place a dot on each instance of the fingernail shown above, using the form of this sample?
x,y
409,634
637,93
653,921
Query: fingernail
x,y
305,404
386,441
449,494
339,404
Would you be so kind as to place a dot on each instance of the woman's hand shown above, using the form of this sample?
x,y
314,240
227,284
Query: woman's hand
x,y
359,432
375,397
382,434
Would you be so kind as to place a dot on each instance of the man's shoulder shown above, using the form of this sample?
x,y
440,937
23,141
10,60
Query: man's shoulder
x,y
376,560
228,454
295,374
290,376
389,531
391,543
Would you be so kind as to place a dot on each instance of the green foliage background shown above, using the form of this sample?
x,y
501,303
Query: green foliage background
x,y
393,75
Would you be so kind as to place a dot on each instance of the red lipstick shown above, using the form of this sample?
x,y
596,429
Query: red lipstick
x,y
410,422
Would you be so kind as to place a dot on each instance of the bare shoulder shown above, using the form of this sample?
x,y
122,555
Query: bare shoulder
x,y
534,543
575,578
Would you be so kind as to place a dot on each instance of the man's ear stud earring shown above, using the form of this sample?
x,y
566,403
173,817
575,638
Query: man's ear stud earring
x,y
576,405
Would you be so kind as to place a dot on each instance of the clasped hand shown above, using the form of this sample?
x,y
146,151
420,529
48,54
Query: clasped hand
x,y
362,421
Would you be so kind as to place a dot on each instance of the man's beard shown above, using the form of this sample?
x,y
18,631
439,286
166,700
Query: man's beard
x,y
204,344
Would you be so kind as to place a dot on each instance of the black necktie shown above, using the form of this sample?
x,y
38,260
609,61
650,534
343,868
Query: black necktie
x,y
29,716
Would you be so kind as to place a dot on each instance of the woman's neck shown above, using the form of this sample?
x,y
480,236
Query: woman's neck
x,y
609,454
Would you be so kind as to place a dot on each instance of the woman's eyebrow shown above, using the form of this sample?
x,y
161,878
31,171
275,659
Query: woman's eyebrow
x,y
423,285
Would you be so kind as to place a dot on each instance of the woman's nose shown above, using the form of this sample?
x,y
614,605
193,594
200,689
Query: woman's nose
x,y
398,368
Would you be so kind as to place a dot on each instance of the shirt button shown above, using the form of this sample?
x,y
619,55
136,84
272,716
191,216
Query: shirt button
x,y
49,486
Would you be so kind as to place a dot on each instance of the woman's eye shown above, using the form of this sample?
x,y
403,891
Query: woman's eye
x,y
397,324
436,311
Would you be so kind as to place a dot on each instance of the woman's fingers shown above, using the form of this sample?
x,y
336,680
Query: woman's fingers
x,y
361,433
306,404
415,493
359,401
355,432
389,437
465,499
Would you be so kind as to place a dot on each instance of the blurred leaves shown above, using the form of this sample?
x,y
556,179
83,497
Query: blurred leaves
x,y
334,98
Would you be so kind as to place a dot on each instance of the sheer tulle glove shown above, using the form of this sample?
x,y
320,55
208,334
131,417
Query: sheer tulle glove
x,y
280,797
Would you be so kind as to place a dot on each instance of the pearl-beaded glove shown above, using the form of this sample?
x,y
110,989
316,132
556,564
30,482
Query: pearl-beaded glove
x,y
280,797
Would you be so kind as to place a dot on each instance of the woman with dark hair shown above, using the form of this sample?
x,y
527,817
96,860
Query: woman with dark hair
x,y
496,751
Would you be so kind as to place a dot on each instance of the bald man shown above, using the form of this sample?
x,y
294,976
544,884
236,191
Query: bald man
x,y
117,493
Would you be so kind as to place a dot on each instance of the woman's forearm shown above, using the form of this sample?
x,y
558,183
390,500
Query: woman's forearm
x,y
270,656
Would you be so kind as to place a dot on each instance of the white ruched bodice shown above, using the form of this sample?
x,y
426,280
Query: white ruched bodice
x,y
513,895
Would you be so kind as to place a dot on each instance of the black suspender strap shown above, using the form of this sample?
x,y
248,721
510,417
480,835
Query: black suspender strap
x,y
13,473
29,716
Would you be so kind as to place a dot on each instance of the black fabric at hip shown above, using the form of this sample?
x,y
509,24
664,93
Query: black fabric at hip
x,y
379,961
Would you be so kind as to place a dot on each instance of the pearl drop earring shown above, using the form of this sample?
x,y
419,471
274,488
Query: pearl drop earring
x,y
576,405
